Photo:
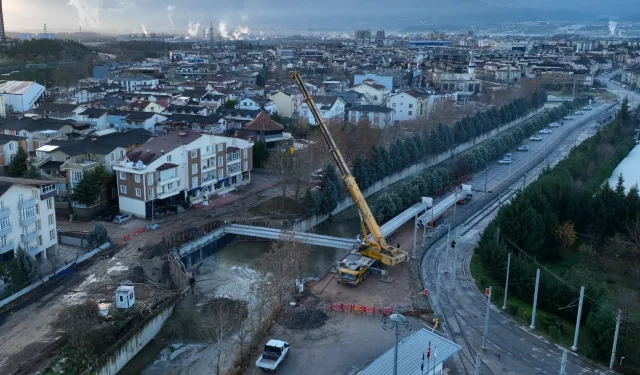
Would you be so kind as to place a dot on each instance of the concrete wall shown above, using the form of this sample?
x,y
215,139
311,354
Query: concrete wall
x,y
130,345
311,222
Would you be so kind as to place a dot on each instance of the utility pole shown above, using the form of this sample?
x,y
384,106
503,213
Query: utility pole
x,y
615,340
486,178
446,253
486,321
477,364
415,238
524,181
563,365
437,302
575,337
506,284
535,300
455,264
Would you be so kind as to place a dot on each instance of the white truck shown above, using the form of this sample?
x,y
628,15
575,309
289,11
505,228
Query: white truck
x,y
274,353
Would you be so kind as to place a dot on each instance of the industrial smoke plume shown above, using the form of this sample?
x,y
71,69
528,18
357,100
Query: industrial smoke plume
x,y
144,31
223,29
193,28
612,27
170,10
88,13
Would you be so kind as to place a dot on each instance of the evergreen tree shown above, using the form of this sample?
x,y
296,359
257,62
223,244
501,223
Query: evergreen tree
x,y
260,154
361,173
19,166
312,203
384,208
88,189
23,269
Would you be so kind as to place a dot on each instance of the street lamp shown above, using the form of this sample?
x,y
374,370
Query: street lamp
x,y
399,323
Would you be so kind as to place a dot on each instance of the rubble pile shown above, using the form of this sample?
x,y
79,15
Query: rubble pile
x,y
304,319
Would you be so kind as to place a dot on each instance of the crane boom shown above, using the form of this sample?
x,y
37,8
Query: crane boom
x,y
377,247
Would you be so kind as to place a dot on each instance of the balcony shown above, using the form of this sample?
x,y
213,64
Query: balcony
x,y
209,167
209,179
29,220
5,212
168,193
34,250
208,156
6,230
30,202
28,237
7,247
234,168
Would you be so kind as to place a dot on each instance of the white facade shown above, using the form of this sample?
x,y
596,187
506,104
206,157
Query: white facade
x,y
373,95
285,104
135,83
27,218
250,104
405,107
335,111
20,96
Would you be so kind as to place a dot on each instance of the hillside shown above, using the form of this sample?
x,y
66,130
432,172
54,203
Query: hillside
x,y
44,50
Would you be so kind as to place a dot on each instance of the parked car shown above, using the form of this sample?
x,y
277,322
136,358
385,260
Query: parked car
x,y
524,148
535,138
274,353
507,155
109,217
568,118
122,218
554,125
587,108
579,113
504,161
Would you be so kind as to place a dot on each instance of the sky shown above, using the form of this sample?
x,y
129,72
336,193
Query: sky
x,y
126,16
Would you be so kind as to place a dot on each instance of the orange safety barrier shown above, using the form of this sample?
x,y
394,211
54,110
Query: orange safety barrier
x,y
135,232
337,306
142,230
127,236
370,309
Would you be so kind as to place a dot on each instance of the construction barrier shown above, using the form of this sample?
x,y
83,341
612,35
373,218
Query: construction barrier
x,y
360,309
387,311
127,236
135,232
337,307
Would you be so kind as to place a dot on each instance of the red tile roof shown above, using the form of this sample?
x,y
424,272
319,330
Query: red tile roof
x,y
263,123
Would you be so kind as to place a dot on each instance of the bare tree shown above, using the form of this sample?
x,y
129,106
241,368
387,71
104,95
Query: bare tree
x,y
221,319
283,264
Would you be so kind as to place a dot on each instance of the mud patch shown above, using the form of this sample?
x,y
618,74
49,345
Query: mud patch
x,y
303,318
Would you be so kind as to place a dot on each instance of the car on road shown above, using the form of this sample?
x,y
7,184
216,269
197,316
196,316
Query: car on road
x,y
507,155
587,108
554,125
504,161
121,218
579,113
274,353
524,147
568,118
545,131
535,138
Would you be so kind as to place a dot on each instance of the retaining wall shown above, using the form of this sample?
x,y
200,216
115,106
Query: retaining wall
x,y
311,222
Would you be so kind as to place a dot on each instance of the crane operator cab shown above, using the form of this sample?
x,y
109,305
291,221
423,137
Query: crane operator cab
x,y
354,268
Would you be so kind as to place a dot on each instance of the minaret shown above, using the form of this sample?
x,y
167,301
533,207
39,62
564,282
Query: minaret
x,y
471,69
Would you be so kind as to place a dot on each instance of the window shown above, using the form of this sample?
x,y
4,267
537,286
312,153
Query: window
x,y
168,158
53,157
138,192
1,205
245,153
246,166
34,194
123,175
49,203
393,105
12,146
194,168
194,181
138,178
220,173
121,154
23,133
21,197
150,179
123,189
3,240
38,225
220,161
410,113
52,234
6,131
51,219
150,194
194,153
27,213
112,156
67,158
5,223
219,147
76,176
410,105
207,149
37,209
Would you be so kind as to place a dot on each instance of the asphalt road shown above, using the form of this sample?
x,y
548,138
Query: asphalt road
x,y
511,347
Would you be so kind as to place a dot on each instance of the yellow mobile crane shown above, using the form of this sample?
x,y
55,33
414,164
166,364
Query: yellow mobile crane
x,y
354,268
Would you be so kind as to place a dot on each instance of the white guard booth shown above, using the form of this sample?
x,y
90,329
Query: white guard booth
x,y
125,297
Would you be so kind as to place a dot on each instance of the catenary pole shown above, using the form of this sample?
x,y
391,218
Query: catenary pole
x,y
615,340
486,321
575,337
506,283
535,300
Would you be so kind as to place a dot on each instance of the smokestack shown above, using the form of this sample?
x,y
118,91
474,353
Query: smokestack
x,y
2,34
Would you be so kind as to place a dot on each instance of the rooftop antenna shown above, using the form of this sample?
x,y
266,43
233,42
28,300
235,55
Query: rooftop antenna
x,y
45,28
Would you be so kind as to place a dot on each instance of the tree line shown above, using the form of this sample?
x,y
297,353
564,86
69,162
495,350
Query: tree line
x,y
384,161
389,205
566,203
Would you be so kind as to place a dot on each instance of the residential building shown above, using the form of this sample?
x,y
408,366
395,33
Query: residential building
x,y
393,80
135,83
286,103
213,124
375,94
377,115
20,96
330,107
409,105
89,94
149,121
37,131
65,162
27,218
8,148
97,118
181,166
60,111
255,103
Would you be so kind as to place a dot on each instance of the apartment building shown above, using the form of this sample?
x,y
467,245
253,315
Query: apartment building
x,y
37,131
27,217
181,166
8,148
